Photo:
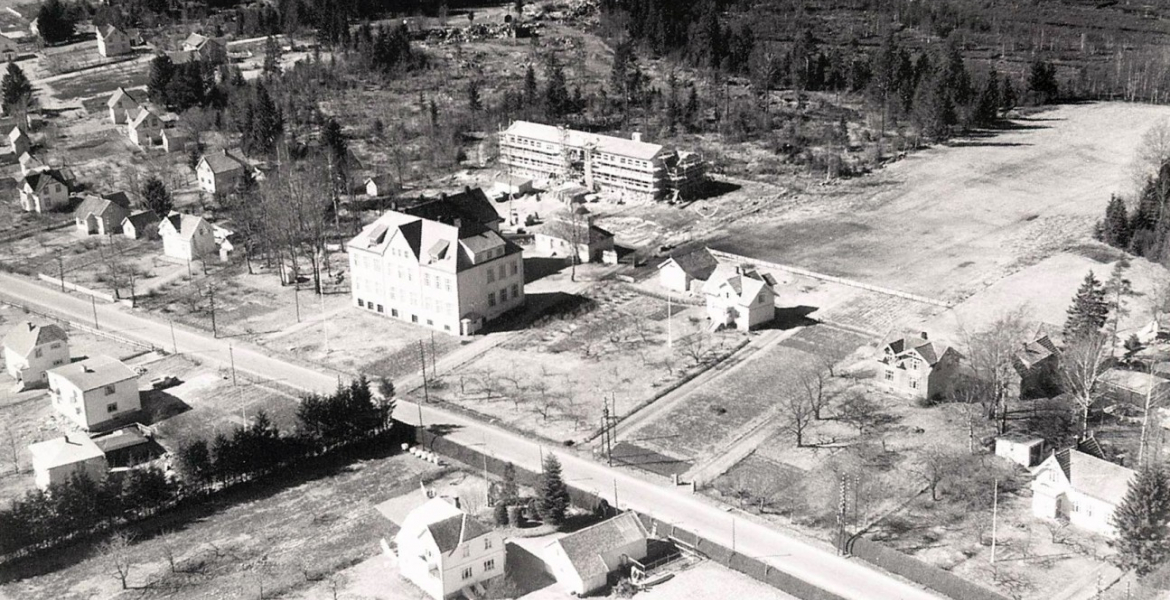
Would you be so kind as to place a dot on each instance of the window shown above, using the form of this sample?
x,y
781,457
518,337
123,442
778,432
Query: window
x,y
109,389
40,353
487,545
913,384
503,274
489,564
393,312
889,375
430,323
467,573
491,298
466,553
491,275
112,407
380,308
414,318
361,303
426,280
515,290
58,362
504,295
515,267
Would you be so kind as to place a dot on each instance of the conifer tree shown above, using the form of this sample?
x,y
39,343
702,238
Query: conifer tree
x,y
162,71
267,122
987,111
1007,96
510,490
1088,312
474,103
1115,231
530,88
272,54
54,23
556,92
156,197
553,497
15,89
1141,521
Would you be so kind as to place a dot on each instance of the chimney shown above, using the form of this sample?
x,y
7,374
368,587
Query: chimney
x,y
86,369
636,136
457,223
31,326
922,334
467,189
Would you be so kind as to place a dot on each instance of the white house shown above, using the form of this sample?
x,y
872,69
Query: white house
x,y
686,273
19,141
56,460
95,392
123,105
379,185
218,172
30,350
144,128
559,235
207,49
443,550
102,215
583,560
1079,485
141,225
437,264
1025,451
740,298
43,191
174,139
187,237
112,41
917,366
31,164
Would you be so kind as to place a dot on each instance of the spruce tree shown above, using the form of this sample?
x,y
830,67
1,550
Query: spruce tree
x,y
553,497
1088,312
474,103
510,490
272,54
267,123
54,23
530,88
987,110
162,71
1007,97
1115,231
556,92
156,197
15,89
1141,521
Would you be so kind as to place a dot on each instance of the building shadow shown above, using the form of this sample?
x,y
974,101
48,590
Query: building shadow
x,y
539,267
527,570
158,406
536,307
791,318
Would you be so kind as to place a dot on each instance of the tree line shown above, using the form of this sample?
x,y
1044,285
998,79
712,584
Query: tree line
x,y
81,505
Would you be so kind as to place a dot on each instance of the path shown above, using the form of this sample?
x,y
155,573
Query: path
x,y
817,564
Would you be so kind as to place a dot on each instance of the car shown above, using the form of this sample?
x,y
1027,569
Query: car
x,y
164,382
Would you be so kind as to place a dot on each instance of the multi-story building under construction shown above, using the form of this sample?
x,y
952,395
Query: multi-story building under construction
x,y
630,169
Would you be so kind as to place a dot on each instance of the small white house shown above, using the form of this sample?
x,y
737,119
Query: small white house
x,y
19,140
379,185
218,172
123,105
686,273
583,560
30,350
1079,485
56,460
102,214
174,140
444,551
740,298
112,41
141,225
31,164
95,392
144,128
558,237
1025,451
187,237
43,191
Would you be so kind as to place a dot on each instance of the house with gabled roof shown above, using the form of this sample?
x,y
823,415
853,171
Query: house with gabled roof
x,y
43,191
445,551
31,349
1079,485
56,461
206,49
559,235
31,164
95,392
187,237
446,272
218,172
112,41
378,185
141,225
19,140
740,297
470,206
686,272
583,560
917,366
123,105
174,139
144,128
102,214
1036,364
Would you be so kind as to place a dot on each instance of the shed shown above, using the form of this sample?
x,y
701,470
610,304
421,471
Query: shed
x,y
513,185
582,561
56,460
1026,451
685,273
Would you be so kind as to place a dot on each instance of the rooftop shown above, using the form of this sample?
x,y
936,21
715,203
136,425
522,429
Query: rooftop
x,y
580,139
583,548
224,162
698,264
73,448
25,336
95,372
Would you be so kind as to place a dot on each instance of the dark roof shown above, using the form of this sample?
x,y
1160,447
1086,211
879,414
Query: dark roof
x,y
25,336
587,233
37,179
470,205
117,440
585,547
224,162
143,219
1034,353
698,264
455,530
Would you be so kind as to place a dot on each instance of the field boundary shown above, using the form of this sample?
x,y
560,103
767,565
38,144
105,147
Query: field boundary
x,y
739,259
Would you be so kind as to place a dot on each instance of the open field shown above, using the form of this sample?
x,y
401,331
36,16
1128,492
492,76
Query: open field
x,y
279,538
947,221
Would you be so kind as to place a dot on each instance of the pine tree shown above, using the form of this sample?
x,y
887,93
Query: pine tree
x,y
556,92
15,89
553,496
987,110
934,112
272,54
1115,231
162,71
1088,312
1042,82
267,122
530,87
54,22
156,197
1142,519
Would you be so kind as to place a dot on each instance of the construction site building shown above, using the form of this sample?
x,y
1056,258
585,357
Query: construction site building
x,y
630,169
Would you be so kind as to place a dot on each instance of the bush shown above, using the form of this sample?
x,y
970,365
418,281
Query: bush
x,y
500,514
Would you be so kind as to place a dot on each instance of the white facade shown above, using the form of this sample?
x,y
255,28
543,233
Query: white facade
x,y
1081,488
187,237
49,195
582,561
112,42
444,277
31,350
55,461
443,551
743,300
95,391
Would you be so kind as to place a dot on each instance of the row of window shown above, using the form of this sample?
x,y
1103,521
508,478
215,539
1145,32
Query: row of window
x,y
525,142
504,295
502,271
914,383
370,305
489,565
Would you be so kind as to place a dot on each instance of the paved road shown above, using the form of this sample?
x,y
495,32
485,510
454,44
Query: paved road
x,y
816,564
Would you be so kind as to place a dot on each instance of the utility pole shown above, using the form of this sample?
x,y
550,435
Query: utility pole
x,y
174,344
994,517
297,300
232,358
211,297
605,434
324,323
733,534
669,324
93,303
615,496
422,353
61,270
434,367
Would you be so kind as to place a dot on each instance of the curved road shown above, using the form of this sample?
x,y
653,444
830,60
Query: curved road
x,y
816,564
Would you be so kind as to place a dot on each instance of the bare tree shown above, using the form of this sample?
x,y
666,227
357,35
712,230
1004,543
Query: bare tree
x,y
117,556
1082,365
797,413
489,383
831,353
991,355
811,381
168,550
695,347
861,412
935,464
1153,152
545,400
517,389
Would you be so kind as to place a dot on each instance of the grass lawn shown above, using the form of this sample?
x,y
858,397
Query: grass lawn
x,y
102,81
280,538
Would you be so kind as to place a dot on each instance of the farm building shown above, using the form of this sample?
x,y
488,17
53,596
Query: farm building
x,y
583,560
1025,451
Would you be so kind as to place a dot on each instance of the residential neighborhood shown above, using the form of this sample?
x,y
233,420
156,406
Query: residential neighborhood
x,y
551,299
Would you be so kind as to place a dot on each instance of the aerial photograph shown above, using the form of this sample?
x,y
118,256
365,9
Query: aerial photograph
x,y
556,299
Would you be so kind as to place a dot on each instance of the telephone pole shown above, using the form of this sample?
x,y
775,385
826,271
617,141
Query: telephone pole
x,y
93,303
211,298
422,354
232,358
